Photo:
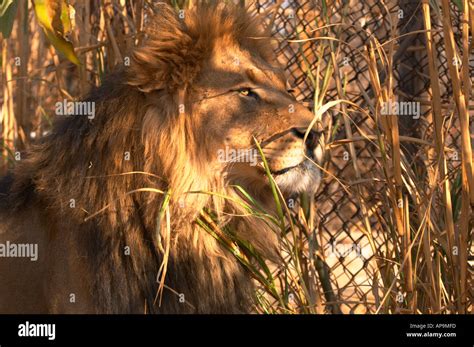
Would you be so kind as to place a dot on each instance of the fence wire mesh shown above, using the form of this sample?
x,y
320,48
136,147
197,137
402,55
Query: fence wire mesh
x,y
304,32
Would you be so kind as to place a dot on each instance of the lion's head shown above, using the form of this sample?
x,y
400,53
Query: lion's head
x,y
174,134
229,93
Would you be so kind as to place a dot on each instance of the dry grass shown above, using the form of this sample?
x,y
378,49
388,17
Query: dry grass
x,y
418,226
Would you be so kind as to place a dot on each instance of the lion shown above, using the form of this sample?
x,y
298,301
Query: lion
x,y
112,202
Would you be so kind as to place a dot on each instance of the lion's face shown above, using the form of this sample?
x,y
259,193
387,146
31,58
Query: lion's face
x,y
215,64
242,99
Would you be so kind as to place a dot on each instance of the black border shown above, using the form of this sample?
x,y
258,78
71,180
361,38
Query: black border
x,y
224,330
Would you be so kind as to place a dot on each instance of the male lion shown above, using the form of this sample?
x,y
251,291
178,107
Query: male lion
x,y
109,200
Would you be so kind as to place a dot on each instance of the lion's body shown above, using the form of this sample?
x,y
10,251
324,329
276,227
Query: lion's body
x,y
102,280
91,194
89,259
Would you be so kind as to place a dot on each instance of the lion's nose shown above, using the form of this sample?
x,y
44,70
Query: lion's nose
x,y
311,140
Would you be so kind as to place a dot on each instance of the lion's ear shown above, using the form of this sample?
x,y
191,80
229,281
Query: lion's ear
x,y
170,57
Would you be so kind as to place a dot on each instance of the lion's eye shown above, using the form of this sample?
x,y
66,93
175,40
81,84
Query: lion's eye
x,y
248,92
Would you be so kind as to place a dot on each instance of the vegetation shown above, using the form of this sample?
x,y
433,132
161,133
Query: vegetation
x,y
414,203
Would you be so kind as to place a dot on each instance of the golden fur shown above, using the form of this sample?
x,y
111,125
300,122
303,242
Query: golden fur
x,y
101,223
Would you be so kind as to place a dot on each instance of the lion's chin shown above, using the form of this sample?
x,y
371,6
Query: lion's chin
x,y
304,177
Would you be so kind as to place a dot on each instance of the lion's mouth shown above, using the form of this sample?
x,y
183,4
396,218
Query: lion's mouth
x,y
305,165
303,177
285,170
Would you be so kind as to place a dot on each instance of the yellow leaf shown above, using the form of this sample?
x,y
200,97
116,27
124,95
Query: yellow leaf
x,y
53,17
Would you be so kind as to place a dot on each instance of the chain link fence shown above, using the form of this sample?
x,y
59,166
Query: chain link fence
x,y
304,32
